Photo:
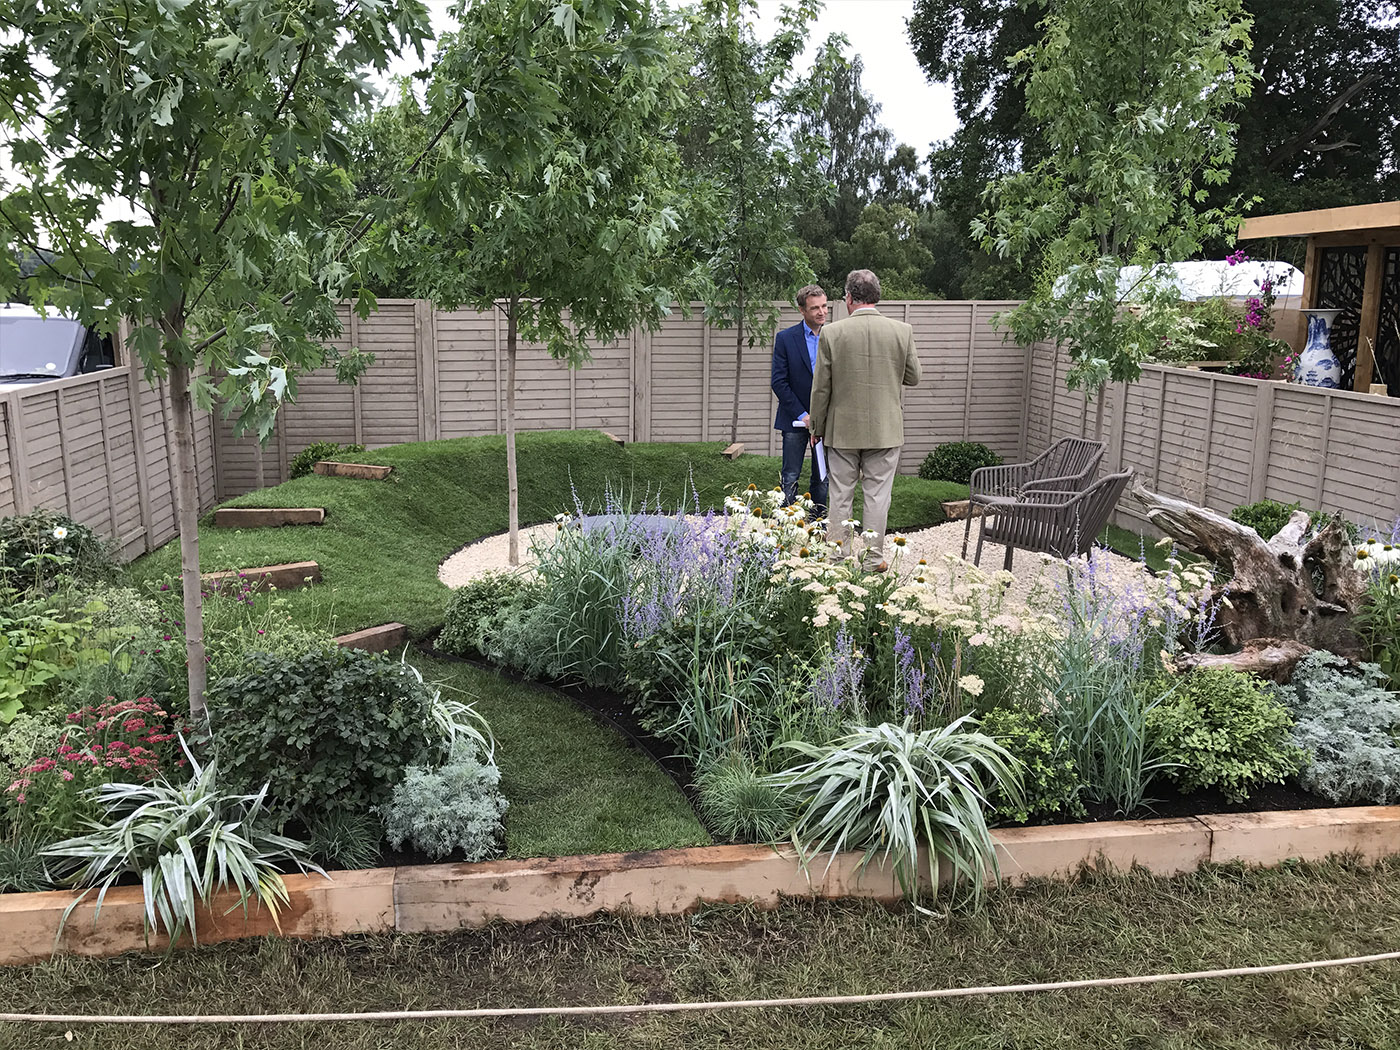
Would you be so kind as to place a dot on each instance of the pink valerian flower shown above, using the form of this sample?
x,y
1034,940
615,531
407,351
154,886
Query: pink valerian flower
x,y
1236,257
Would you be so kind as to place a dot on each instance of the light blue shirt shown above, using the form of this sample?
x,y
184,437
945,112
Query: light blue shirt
x,y
811,345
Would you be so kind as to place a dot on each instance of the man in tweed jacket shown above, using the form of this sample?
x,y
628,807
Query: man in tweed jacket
x,y
863,361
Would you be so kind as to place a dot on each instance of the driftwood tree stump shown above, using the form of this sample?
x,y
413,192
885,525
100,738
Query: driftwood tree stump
x,y
1289,588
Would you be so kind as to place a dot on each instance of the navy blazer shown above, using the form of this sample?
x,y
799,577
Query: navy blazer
x,y
792,376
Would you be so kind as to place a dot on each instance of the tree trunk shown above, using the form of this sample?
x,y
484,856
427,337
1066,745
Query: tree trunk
x,y
512,483
187,520
1290,588
738,370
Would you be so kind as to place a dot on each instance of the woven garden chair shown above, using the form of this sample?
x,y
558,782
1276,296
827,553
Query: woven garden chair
x,y
1055,521
1068,466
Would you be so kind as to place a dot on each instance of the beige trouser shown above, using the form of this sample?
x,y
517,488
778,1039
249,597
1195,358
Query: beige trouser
x,y
876,468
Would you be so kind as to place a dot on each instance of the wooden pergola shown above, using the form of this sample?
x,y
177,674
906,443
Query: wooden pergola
x,y
1353,265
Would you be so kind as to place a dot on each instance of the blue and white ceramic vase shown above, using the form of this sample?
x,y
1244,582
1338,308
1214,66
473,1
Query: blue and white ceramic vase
x,y
1317,364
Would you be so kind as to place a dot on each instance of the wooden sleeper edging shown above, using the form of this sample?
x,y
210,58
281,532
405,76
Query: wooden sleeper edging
x,y
375,639
363,471
267,517
443,897
290,576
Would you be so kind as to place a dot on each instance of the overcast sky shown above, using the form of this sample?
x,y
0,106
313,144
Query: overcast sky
x,y
917,112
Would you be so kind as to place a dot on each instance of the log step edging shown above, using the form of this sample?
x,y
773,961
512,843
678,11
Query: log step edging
x,y
290,576
363,471
668,882
267,517
375,639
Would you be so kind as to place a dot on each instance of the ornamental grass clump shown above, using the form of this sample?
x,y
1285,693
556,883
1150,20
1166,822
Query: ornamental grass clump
x,y
896,793
184,842
1378,619
1103,677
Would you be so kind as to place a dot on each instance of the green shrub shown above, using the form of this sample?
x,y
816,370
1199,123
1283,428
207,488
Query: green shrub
x,y
956,460
482,616
1349,725
1268,516
330,728
1265,517
1223,729
39,548
456,807
1049,779
302,463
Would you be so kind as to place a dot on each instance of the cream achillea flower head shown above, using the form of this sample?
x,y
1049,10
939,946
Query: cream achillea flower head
x,y
971,684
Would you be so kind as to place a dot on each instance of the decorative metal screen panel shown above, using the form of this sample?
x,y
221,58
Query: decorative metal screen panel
x,y
1341,282
1388,338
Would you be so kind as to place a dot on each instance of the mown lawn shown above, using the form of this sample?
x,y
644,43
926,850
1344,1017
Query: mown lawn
x,y
1099,926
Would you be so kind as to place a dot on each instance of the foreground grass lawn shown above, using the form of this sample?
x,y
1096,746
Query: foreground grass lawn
x,y
574,784
1101,926
382,541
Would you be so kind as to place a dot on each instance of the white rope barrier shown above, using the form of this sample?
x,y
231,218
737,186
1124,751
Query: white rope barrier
x,y
662,1008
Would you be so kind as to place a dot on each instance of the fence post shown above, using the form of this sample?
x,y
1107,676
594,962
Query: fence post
x,y
138,433
1263,427
425,346
1027,380
641,381
1324,439
705,380
496,325
60,403
1119,428
107,460
1161,430
971,357
355,395
19,461
1206,442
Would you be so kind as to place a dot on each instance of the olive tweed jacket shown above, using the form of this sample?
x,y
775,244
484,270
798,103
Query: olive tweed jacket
x,y
863,361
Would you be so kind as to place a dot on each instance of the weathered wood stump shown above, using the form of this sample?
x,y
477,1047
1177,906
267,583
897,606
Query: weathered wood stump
x,y
1271,658
1294,587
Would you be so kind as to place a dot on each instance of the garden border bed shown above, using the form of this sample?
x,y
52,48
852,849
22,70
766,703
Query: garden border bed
x,y
441,897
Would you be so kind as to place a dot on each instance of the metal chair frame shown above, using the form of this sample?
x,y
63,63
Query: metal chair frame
x,y
1068,466
1055,521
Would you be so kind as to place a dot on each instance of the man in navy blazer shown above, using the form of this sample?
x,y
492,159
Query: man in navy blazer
x,y
794,361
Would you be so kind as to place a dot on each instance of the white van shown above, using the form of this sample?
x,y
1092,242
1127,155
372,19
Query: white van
x,y
35,348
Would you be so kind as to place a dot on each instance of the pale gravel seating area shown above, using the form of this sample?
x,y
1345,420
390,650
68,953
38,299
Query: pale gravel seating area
x,y
934,545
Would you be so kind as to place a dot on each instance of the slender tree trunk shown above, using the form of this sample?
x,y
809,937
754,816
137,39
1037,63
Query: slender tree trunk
x,y
512,483
187,519
738,369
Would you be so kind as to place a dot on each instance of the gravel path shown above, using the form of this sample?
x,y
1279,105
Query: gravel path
x,y
933,545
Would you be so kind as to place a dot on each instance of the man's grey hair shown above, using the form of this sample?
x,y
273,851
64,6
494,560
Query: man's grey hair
x,y
808,291
863,287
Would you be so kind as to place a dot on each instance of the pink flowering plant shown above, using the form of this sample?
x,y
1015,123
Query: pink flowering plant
x,y
1223,328
129,740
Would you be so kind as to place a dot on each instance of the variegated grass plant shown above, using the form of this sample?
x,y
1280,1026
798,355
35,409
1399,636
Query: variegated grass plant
x,y
907,798
185,842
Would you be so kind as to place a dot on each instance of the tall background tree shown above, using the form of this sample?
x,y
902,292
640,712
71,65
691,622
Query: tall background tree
x,y
553,196
204,122
1322,127
879,190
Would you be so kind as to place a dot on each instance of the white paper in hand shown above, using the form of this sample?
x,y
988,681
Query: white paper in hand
x,y
819,460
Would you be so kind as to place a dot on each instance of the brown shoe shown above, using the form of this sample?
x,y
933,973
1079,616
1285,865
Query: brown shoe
x,y
881,566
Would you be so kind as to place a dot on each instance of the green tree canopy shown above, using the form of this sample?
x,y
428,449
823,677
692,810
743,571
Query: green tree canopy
x,y
206,122
1135,118
554,193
